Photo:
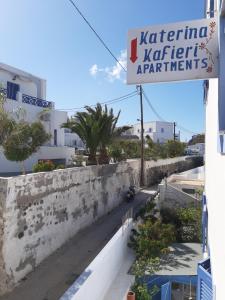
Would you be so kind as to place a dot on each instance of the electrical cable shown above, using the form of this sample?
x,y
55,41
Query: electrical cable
x,y
162,119
112,101
116,59
97,35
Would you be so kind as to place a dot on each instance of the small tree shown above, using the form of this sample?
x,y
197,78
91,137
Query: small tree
x,y
24,140
97,129
175,148
6,124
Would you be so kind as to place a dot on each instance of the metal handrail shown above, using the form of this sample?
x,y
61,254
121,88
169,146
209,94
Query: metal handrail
x,y
36,101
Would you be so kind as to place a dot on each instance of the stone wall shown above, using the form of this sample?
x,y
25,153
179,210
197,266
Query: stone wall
x,y
5,281
172,197
156,170
40,212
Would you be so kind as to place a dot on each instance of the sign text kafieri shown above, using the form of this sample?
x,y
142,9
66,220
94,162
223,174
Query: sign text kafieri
x,y
173,52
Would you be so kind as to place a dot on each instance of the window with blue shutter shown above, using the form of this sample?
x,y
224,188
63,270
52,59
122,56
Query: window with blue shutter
x,y
166,291
205,291
12,89
55,137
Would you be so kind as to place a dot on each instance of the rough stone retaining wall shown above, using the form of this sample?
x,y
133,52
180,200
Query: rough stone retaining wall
x,y
172,197
155,170
40,212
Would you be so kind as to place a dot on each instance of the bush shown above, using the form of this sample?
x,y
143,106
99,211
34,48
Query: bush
x,y
43,166
147,211
170,216
152,239
190,218
61,166
187,222
79,159
116,153
141,291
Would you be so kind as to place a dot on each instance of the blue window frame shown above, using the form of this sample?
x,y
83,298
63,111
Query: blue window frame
x,y
166,291
55,137
205,291
12,89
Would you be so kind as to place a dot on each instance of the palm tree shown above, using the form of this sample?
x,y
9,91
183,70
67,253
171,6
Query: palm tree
x,y
87,128
97,128
108,131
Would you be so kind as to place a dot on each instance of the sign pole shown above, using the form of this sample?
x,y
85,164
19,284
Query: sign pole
x,y
142,138
174,131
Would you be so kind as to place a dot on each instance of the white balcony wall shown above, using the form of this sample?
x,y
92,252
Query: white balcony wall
x,y
214,187
45,152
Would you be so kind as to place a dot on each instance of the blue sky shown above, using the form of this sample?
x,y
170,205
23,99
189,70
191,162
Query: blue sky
x,y
49,39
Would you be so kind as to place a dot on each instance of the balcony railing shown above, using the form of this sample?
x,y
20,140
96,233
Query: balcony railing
x,y
4,91
205,291
36,101
31,100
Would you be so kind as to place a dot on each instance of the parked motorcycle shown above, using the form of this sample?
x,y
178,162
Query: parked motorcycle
x,y
130,194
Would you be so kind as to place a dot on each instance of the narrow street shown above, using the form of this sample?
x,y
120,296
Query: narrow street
x,y
55,274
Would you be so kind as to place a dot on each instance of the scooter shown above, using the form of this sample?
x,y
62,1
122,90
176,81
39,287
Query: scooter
x,y
130,194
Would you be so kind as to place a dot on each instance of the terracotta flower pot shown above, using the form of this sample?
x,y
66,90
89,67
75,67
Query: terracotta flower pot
x,y
130,295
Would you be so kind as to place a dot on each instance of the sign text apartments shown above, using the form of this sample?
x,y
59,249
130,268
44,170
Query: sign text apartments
x,y
173,52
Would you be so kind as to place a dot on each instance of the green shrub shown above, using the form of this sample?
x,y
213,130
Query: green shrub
x,y
61,166
147,211
152,238
79,159
116,153
187,222
191,228
142,293
43,166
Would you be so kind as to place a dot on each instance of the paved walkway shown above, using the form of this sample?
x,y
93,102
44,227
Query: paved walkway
x,y
56,273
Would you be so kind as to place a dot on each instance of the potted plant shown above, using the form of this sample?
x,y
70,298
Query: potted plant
x,y
130,295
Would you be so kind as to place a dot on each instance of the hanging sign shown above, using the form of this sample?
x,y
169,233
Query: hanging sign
x,y
173,52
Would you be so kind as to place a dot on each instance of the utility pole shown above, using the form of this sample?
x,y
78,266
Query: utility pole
x,y
174,131
139,87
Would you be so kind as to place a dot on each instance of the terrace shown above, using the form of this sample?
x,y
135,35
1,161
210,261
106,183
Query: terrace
x,y
29,99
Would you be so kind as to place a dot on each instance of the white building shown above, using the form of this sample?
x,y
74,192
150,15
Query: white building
x,y
211,272
159,132
73,140
198,148
26,97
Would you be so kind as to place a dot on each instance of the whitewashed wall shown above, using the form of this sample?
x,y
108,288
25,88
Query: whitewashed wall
x,y
215,191
96,279
26,86
153,129
45,152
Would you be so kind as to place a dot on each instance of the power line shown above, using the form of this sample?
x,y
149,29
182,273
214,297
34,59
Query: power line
x,y
185,129
161,118
111,102
116,59
152,107
97,35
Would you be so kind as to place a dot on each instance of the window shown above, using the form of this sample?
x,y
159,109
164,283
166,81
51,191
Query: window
x,y
12,89
138,130
55,137
150,130
162,130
